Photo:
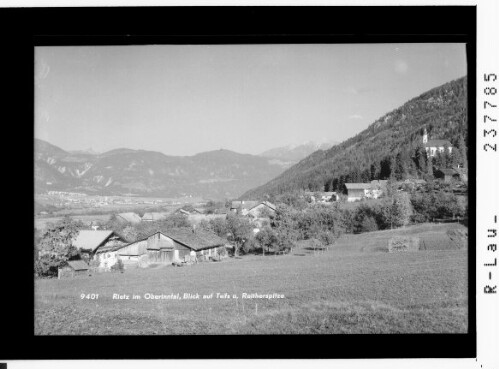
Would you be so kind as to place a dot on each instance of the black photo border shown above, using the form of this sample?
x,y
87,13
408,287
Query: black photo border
x,y
22,29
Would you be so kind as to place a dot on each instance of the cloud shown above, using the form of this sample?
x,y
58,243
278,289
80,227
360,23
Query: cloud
x,y
355,116
401,67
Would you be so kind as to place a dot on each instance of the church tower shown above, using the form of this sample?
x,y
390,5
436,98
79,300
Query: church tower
x,y
425,136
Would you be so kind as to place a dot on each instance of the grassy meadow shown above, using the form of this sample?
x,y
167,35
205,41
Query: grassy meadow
x,y
354,287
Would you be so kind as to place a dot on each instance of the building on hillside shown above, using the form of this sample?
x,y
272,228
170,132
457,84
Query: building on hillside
x,y
188,211
434,146
242,207
446,174
153,217
461,174
74,268
357,191
130,217
322,197
262,209
255,209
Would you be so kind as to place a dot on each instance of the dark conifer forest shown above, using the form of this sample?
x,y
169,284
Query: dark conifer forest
x,y
390,148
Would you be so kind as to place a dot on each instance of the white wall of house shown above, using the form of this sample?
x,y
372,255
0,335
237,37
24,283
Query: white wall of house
x,y
107,259
355,195
373,193
432,151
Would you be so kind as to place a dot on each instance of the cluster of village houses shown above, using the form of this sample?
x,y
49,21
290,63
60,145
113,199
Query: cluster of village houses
x,y
176,246
186,245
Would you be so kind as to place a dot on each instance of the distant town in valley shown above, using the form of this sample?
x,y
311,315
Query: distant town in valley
x,y
331,237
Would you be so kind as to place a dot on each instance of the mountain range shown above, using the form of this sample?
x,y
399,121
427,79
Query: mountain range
x,y
212,175
292,154
390,146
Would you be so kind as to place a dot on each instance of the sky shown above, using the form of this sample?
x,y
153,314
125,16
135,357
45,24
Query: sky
x,y
187,99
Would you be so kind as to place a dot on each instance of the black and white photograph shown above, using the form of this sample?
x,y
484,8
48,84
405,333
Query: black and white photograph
x,y
248,189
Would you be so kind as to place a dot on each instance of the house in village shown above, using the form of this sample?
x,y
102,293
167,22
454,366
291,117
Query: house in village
x,y
130,217
322,197
188,211
153,217
175,245
254,209
434,146
99,245
73,268
446,174
357,191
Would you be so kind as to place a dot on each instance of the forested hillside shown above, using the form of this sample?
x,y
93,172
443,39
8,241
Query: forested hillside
x,y
391,147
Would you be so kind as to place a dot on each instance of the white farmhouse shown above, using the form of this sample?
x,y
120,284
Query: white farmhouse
x,y
434,146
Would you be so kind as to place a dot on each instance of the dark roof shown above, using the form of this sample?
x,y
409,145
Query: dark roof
x,y
110,248
447,172
461,170
196,240
266,203
357,186
78,265
437,143
129,217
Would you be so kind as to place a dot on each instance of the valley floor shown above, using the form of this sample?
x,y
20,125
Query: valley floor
x,y
354,287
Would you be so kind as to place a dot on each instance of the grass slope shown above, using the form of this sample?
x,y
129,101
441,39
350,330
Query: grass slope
x,y
352,288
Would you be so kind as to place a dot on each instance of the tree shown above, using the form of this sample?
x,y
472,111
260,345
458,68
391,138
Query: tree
x,y
463,151
397,210
130,234
375,170
421,158
239,230
368,224
429,167
267,238
118,266
393,168
56,246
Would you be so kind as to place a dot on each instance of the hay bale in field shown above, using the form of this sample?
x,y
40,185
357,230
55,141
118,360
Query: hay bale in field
x,y
403,243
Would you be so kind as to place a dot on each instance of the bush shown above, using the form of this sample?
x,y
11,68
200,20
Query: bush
x,y
326,238
436,205
369,224
250,246
118,266
47,266
267,238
